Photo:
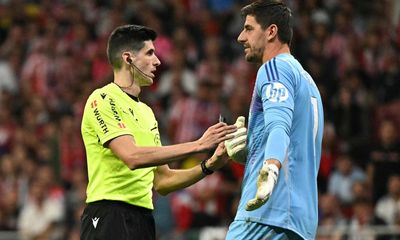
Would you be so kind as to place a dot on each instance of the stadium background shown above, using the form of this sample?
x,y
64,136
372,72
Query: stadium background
x,y
52,54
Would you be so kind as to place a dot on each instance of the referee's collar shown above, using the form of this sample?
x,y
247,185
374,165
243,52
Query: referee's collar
x,y
131,96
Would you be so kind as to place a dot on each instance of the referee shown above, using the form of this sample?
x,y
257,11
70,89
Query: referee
x,y
125,158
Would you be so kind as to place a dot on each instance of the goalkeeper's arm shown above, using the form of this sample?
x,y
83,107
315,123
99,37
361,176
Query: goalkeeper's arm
x,y
267,178
277,145
275,153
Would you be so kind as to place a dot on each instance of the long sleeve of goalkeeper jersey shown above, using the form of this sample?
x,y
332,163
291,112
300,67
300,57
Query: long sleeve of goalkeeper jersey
x,y
276,89
277,125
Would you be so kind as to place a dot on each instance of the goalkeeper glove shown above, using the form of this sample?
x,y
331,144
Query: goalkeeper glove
x,y
265,184
236,146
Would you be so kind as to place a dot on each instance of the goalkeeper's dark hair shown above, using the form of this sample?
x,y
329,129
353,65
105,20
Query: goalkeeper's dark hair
x,y
267,12
127,38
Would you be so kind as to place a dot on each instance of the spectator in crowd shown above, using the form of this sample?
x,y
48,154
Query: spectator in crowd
x,y
387,85
42,214
328,155
361,221
361,191
343,177
75,202
8,126
388,206
384,158
8,81
9,201
331,222
350,119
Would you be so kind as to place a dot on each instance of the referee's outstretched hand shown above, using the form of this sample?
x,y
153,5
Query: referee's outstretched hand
x,y
215,134
219,158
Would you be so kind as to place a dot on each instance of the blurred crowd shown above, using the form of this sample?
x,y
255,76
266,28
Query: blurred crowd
x,y
53,54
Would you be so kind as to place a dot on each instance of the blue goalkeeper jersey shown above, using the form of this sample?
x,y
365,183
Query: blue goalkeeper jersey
x,y
285,123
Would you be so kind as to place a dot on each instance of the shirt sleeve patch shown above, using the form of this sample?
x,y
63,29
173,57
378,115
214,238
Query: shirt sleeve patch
x,y
277,92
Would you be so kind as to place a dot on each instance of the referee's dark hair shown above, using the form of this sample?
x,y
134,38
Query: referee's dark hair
x,y
127,38
267,12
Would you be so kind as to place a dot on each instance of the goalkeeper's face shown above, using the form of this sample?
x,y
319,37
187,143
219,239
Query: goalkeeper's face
x,y
253,39
145,63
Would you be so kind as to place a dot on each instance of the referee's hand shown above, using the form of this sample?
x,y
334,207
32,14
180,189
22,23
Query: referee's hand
x,y
215,134
218,159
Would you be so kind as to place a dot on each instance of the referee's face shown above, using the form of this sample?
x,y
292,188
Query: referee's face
x,y
147,62
253,40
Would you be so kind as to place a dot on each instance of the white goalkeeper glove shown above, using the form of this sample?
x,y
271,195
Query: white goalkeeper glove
x,y
236,146
266,181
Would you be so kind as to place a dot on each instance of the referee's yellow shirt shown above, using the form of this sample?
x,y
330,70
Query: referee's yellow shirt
x,y
109,112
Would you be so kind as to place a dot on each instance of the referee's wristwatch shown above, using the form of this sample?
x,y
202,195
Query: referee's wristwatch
x,y
204,168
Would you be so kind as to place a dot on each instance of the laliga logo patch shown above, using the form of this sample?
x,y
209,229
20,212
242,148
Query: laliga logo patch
x,y
277,92
157,139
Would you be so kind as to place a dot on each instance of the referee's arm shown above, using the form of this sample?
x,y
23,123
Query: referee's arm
x,y
167,180
140,157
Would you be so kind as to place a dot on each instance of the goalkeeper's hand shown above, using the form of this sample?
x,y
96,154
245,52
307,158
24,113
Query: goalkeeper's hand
x,y
236,146
266,181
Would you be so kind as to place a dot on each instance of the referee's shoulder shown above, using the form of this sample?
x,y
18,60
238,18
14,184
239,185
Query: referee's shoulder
x,y
97,96
101,93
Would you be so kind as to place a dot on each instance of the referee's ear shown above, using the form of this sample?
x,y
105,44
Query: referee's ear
x,y
128,57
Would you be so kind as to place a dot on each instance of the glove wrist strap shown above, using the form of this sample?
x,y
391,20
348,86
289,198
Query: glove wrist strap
x,y
204,168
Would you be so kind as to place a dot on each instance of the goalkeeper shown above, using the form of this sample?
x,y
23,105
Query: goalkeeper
x,y
279,198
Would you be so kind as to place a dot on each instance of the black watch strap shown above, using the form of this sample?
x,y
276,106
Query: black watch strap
x,y
204,168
